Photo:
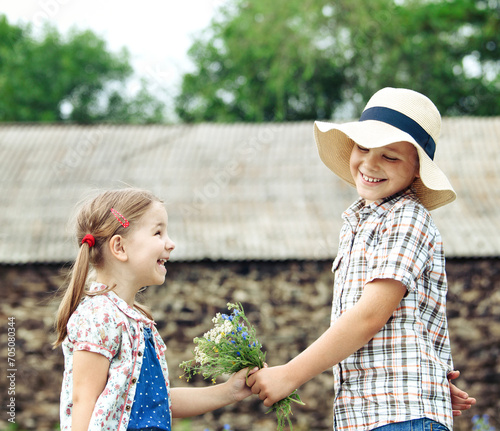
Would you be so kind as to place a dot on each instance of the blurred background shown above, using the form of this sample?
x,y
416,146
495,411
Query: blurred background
x,y
230,60
210,104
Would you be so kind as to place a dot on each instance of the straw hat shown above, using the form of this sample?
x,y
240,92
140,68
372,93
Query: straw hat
x,y
391,115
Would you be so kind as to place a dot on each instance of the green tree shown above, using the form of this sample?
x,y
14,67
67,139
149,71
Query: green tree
x,y
446,49
263,62
298,60
51,78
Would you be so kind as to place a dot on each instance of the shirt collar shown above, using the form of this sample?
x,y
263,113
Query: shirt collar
x,y
133,313
358,210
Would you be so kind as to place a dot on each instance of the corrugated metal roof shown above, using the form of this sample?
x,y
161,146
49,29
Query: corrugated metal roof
x,y
236,192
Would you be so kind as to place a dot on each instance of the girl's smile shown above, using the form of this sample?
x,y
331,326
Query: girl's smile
x,y
162,263
150,244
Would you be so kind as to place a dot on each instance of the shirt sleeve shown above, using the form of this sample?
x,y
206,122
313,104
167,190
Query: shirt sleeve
x,y
93,327
404,248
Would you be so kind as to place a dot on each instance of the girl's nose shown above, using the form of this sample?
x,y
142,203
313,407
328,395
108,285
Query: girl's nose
x,y
169,244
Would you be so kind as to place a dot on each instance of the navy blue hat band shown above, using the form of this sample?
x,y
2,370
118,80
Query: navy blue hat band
x,y
404,123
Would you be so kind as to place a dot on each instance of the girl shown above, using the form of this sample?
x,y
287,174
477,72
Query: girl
x,y
116,375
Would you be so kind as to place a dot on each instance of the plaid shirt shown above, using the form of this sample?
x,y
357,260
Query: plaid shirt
x,y
401,374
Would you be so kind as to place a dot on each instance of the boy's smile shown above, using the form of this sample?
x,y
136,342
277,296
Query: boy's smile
x,y
371,180
382,172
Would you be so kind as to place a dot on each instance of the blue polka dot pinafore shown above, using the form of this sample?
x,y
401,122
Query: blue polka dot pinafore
x,y
150,410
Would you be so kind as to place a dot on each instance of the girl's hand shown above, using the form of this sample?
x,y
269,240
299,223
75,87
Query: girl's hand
x,y
237,384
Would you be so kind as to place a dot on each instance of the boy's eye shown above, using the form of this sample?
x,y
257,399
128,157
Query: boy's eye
x,y
158,233
362,149
391,159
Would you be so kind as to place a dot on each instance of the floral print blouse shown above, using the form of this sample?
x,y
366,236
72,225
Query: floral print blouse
x,y
107,325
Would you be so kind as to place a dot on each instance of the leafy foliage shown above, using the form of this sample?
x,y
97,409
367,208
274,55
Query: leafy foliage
x,y
40,76
262,63
302,60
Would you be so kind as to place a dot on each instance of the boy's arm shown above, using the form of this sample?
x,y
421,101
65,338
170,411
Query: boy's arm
x,y
90,374
349,333
188,402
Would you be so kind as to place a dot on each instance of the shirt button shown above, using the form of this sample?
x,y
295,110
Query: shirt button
x,y
134,380
139,354
127,408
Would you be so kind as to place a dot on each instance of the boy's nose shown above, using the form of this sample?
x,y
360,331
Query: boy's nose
x,y
370,161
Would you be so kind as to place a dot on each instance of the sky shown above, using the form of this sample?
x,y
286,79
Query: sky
x,y
157,33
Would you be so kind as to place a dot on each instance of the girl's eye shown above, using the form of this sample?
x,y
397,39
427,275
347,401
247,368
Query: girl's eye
x,y
362,149
158,233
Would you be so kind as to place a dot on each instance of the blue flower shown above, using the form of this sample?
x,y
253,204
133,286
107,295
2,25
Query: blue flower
x,y
225,317
244,335
238,353
481,423
227,427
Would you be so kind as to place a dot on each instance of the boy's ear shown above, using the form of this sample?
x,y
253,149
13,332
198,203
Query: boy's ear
x,y
417,175
116,247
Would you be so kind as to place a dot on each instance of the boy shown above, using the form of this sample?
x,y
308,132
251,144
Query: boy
x,y
388,341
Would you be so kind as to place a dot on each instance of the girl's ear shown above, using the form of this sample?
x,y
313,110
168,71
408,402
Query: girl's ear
x,y
117,249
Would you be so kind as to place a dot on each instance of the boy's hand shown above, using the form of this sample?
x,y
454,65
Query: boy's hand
x,y
271,384
460,400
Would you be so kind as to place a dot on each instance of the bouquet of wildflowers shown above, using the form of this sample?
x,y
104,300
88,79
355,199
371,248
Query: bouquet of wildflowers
x,y
229,347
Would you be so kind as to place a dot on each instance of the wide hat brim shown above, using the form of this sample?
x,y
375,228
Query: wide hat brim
x,y
335,142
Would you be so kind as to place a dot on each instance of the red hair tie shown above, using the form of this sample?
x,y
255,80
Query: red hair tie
x,y
89,239
123,221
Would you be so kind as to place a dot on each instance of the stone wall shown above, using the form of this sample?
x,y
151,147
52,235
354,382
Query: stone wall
x,y
289,303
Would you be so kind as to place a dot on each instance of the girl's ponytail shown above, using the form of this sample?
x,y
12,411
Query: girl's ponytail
x,y
97,220
75,290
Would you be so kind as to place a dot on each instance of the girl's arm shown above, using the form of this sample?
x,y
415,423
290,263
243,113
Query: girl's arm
x,y
349,333
188,402
90,374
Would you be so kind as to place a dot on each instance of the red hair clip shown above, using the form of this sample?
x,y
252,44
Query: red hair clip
x,y
123,221
89,240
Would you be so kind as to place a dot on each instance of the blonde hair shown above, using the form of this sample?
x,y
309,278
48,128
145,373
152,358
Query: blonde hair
x,y
95,217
